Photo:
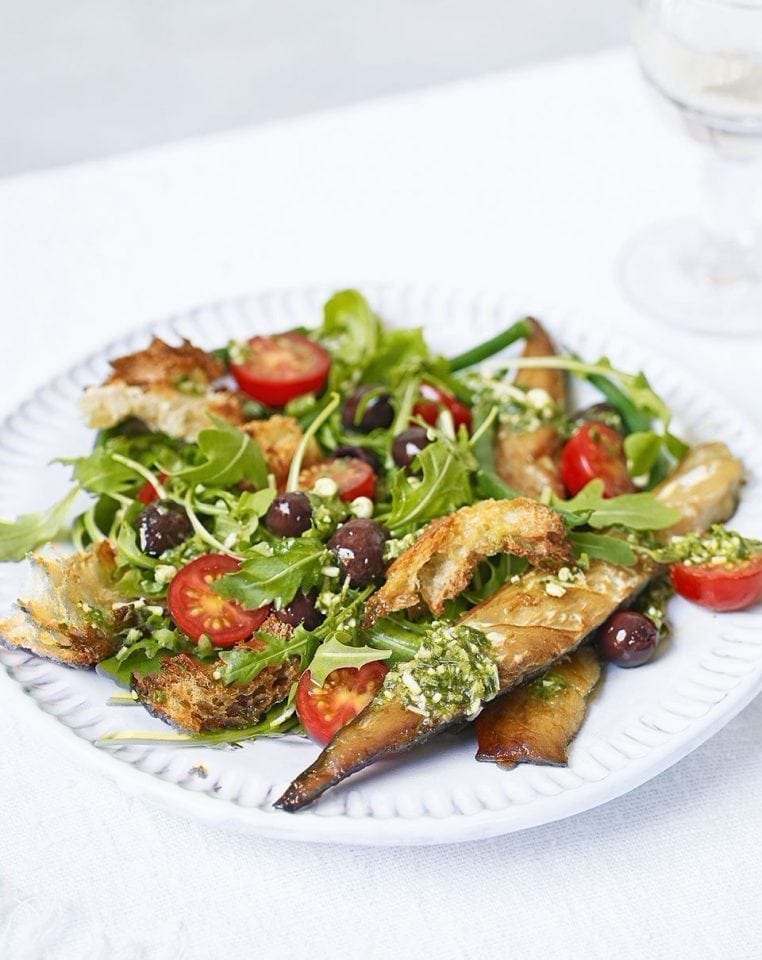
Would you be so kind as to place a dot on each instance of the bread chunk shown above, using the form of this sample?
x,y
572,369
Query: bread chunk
x,y
441,563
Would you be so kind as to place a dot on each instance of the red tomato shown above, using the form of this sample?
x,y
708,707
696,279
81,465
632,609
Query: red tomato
x,y
197,609
354,477
281,367
148,492
346,691
596,452
434,400
720,588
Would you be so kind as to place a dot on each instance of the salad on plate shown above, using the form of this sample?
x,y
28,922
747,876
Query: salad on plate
x,y
335,532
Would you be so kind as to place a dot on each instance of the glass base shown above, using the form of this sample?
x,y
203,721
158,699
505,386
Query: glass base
x,y
676,272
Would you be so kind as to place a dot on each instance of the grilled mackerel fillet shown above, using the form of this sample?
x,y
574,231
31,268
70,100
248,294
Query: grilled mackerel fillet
x,y
521,726
529,629
537,722
529,462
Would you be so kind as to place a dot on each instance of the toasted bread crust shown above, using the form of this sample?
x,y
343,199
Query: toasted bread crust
x,y
441,563
59,623
185,694
162,409
162,365
145,385
279,438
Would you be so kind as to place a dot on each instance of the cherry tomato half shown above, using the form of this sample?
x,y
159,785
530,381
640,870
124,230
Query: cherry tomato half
x,y
148,492
197,609
353,477
281,367
720,588
346,691
434,400
596,452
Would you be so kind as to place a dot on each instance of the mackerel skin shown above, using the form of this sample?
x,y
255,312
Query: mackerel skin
x,y
529,629
533,724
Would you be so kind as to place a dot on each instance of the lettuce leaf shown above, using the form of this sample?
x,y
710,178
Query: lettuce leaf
x,y
230,455
31,530
333,655
295,565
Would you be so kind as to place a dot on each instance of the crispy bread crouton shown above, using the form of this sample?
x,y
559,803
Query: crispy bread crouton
x,y
162,365
442,561
278,439
146,385
185,694
163,409
71,620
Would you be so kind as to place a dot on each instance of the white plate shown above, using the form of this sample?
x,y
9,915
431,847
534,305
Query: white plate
x,y
640,722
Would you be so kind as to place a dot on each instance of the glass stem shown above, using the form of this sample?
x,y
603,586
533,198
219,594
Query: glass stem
x,y
731,219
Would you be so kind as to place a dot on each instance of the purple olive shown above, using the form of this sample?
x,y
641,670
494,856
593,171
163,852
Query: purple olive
x,y
290,515
358,453
302,611
161,526
377,410
627,638
359,548
408,444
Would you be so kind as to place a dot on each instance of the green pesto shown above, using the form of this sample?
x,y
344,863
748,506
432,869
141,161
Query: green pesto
x,y
548,687
717,546
653,601
451,674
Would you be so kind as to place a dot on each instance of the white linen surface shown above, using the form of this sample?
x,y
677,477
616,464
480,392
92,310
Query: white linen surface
x,y
528,181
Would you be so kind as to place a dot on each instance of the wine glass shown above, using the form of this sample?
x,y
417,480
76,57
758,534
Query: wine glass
x,y
705,58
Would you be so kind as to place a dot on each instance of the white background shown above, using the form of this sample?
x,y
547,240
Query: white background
x,y
529,181
83,78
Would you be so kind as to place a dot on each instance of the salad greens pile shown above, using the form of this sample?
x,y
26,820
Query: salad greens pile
x,y
223,485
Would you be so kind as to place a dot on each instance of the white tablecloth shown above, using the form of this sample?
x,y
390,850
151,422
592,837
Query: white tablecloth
x,y
529,181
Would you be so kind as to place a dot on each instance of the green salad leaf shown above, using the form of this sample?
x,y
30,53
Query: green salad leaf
x,y
100,473
31,530
244,664
401,354
333,655
230,455
351,332
444,485
636,511
294,565
597,546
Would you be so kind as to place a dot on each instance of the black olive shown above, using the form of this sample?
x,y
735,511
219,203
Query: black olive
x,y
601,413
627,638
358,453
290,515
377,411
161,526
359,548
408,444
132,427
302,610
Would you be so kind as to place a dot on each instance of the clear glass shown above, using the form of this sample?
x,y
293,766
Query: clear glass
x,y
705,58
